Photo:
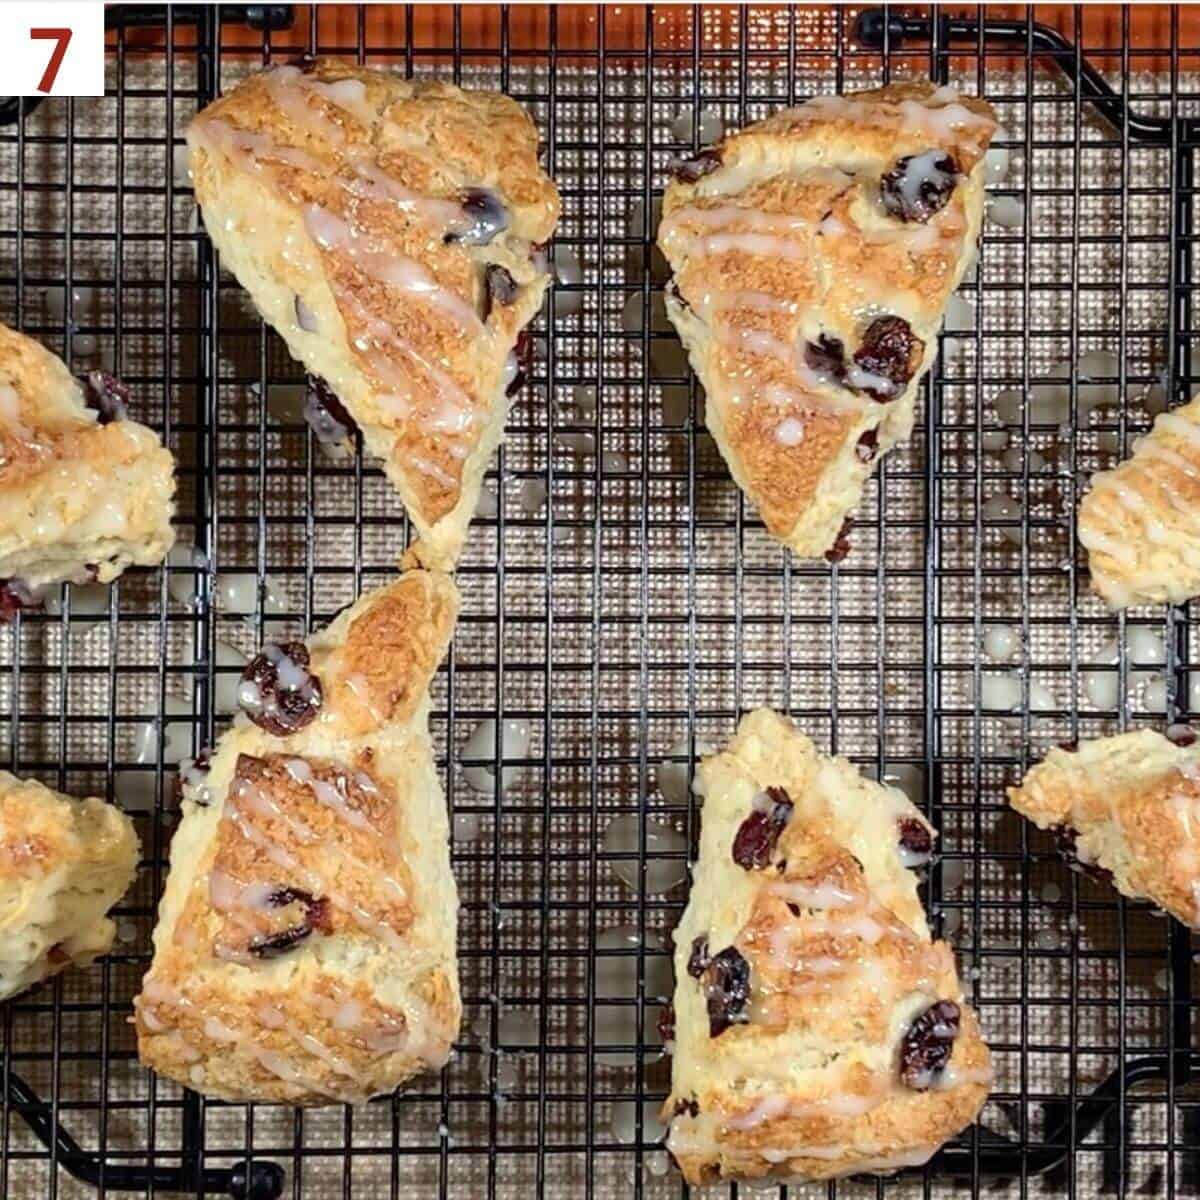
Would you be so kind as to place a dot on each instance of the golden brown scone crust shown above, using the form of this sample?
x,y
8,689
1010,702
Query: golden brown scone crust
x,y
338,185
786,242
1140,521
78,500
63,864
1131,806
305,944
840,966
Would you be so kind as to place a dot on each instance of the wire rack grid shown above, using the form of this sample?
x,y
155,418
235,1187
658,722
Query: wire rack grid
x,y
622,605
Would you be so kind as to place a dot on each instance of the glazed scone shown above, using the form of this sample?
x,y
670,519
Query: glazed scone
x,y
1125,809
390,231
1140,521
63,864
305,946
813,254
84,491
819,1032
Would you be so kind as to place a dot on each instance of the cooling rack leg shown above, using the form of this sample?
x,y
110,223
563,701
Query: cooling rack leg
x,y
252,1181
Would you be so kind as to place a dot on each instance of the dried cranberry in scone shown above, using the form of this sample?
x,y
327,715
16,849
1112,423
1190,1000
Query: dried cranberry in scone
x,y
928,1044
841,543
689,170
325,414
484,216
756,838
316,918
887,359
699,958
726,984
278,692
826,356
915,841
107,395
919,185
499,287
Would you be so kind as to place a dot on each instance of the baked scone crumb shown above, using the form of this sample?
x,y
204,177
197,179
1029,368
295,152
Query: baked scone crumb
x,y
818,1030
305,944
1140,521
1125,809
813,254
63,864
392,231
84,491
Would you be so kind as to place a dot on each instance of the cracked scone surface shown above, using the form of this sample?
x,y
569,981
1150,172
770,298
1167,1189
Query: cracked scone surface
x,y
389,230
80,499
305,946
63,864
1140,521
813,1075
786,259
1126,808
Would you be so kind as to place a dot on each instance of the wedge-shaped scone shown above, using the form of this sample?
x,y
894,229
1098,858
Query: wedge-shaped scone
x,y
84,492
1125,809
819,1031
813,254
63,864
390,231
305,945
1140,521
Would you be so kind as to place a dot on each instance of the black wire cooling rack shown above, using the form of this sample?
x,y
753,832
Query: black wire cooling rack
x,y
640,602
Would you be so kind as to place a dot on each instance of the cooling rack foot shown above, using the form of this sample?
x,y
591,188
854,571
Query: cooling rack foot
x,y
247,1181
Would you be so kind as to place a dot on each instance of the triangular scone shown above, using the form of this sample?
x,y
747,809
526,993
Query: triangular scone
x,y
305,947
813,256
1140,521
1125,809
84,492
819,1031
390,231
63,864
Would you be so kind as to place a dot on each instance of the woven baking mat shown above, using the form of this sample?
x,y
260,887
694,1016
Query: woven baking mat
x,y
642,600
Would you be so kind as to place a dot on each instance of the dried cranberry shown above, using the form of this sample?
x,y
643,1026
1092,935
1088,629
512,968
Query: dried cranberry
x,y
755,840
867,446
522,356
698,959
891,353
666,1023
57,955
672,290
919,185
926,1048
316,918
841,543
690,1107
826,356
325,414
1067,839
499,287
278,692
189,769
484,216
107,395
689,170
1069,747
726,983
307,62
1181,735
14,597
916,841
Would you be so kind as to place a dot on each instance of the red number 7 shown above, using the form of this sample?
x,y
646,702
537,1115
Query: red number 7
x,y
62,38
